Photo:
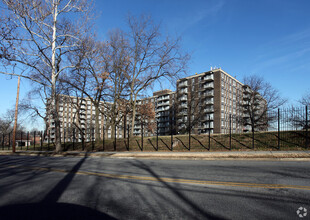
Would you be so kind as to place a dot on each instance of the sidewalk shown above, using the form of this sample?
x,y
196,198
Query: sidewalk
x,y
227,155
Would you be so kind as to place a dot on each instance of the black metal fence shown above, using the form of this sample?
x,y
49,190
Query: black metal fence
x,y
280,129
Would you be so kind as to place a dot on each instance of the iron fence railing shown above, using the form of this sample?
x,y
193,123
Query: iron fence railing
x,y
280,129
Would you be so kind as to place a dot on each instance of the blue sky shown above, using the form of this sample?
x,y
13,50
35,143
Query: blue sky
x,y
243,37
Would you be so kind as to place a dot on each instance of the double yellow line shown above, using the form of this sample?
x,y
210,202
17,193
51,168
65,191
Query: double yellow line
x,y
169,180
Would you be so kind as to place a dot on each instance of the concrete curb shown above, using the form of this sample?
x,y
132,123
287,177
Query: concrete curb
x,y
243,155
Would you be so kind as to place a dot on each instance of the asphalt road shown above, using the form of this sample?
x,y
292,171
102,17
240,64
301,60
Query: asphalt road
x,y
105,188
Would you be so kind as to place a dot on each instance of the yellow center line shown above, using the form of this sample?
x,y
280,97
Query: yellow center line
x,y
169,180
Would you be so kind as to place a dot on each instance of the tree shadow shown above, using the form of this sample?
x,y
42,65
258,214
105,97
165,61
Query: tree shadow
x,y
39,211
169,148
261,142
176,192
227,148
155,148
56,192
200,143
290,142
126,145
187,148
49,208
239,142
140,147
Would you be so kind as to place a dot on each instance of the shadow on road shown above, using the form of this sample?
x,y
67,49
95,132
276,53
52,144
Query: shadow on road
x,y
177,193
40,211
49,208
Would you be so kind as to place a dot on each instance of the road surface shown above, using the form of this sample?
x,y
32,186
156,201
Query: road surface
x,y
104,188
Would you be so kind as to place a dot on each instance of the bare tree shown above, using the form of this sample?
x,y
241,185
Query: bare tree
x,y
37,37
118,67
103,67
305,99
152,58
258,97
297,115
7,121
90,76
31,105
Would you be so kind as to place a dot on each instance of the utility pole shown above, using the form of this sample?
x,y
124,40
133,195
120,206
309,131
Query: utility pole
x,y
16,112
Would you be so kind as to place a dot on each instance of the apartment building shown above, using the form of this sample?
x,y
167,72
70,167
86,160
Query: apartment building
x,y
78,116
162,104
145,117
209,102
165,111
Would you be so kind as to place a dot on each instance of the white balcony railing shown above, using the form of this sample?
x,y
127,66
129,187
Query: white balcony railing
x,y
182,84
208,86
208,78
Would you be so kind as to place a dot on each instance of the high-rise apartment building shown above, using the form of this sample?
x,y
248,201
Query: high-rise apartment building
x,y
165,111
209,101
77,117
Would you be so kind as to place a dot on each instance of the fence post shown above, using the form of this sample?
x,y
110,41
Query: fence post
x,y
115,138
307,141
73,139
128,136
41,141
189,132
229,131
48,140
9,141
27,140
34,140
3,141
21,140
141,135
103,136
209,132
64,138
157,135
171,133
278,129
92,140
253,130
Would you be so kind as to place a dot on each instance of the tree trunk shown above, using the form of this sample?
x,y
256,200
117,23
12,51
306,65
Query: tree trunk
x,y
16,114
54,102
133,115
97,125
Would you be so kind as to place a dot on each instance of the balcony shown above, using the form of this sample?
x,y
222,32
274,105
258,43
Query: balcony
x,y
208,94
208,78
183,98
247,90
164,119
182,84
208,110
182,126
161,114
183,106
161,103
179,121
162,108
207,125
183,112
183,91
207,118
208,86
208,102
163,97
